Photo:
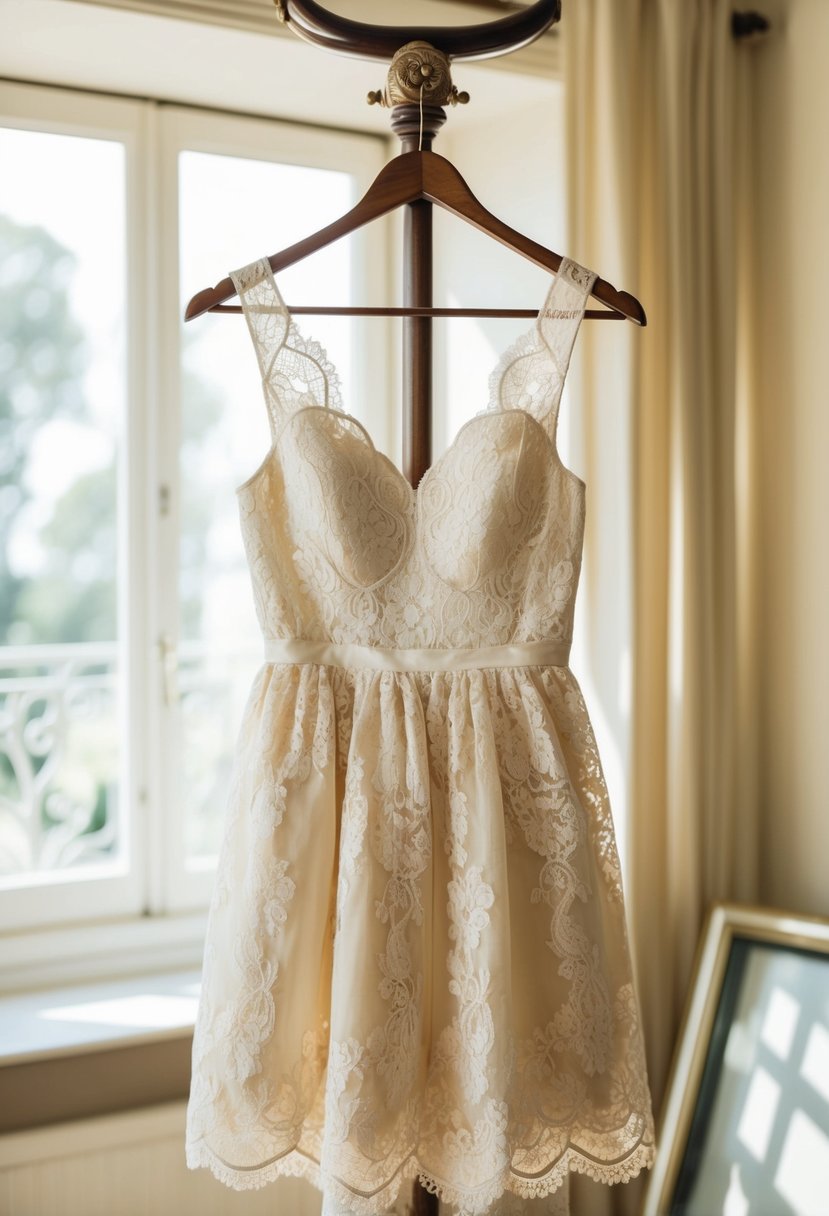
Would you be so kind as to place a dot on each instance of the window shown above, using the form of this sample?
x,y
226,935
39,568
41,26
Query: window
x,y
127,634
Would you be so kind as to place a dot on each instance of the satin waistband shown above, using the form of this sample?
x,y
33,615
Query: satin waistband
x,y
426,658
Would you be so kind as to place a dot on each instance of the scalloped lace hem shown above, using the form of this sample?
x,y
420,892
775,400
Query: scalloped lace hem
x,y
298,1165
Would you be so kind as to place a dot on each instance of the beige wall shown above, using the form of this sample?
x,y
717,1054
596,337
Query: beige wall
x,y
791,134
129,1164
512,163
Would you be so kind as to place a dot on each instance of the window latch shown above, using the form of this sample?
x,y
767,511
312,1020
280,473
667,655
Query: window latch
x,y
168,652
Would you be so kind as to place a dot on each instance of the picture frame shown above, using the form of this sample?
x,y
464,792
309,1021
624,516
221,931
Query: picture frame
x,y
745,1124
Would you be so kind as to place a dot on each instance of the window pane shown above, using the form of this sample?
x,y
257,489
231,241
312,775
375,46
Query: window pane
x,y
233,211
62,398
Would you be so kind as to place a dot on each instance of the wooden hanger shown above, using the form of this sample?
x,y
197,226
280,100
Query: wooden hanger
x,y
412,176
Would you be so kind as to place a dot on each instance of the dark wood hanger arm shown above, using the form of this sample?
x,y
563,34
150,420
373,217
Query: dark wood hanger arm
x,y
407,178
387,191
458,199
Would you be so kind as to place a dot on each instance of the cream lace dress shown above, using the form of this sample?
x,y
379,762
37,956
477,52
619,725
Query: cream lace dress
x,y
417,959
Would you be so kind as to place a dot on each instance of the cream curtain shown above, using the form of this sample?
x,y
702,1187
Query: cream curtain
x,y
659,203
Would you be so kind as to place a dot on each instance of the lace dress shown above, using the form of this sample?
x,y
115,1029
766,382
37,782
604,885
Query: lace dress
x,y
417,959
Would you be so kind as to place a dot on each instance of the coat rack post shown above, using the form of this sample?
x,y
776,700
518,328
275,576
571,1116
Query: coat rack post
x,y
417,126
417,341
419,85
417,292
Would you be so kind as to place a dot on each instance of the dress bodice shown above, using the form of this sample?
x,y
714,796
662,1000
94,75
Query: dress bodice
x,y
486,550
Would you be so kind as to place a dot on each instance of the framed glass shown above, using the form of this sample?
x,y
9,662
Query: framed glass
x,y
746,1119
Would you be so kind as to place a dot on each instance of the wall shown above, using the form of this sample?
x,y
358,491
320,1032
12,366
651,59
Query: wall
x,y
509,162
792,177
128,1165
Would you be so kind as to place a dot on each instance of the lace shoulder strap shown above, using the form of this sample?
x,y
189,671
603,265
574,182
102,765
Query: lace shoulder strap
x,y
561,316
531,374
296,372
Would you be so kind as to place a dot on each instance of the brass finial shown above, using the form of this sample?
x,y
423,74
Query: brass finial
x,y
419,72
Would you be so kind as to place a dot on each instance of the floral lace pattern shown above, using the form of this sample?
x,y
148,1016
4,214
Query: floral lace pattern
x,y
417,961
342,549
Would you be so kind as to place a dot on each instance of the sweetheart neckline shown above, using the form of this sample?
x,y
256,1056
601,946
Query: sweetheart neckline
x,y
487,412
414,491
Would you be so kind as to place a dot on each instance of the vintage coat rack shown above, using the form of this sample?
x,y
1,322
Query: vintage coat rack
x,y
419,87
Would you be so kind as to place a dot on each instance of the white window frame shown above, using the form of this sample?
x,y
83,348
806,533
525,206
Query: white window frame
x,y
84,896
72,928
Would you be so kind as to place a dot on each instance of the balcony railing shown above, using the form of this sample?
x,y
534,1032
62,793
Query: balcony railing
x,y
58,758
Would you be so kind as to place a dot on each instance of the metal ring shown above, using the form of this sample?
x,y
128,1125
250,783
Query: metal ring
x,y
363,41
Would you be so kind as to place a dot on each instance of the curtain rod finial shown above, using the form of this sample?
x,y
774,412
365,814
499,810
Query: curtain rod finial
x,y
749,25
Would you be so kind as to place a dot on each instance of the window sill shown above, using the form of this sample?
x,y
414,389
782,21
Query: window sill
x,y
94,1017
106,952
71,1053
